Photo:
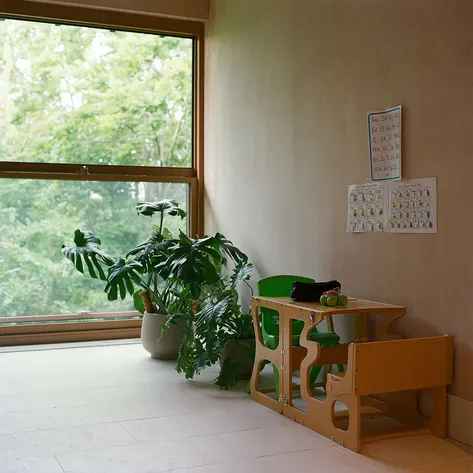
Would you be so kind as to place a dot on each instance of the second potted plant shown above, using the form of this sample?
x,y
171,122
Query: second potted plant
x,y
210,270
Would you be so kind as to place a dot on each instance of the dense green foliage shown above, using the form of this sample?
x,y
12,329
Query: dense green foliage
x,y
135,274
183,278
83,95
201,267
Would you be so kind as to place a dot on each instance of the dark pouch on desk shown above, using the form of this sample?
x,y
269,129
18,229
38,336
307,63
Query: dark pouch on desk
x,y
311,291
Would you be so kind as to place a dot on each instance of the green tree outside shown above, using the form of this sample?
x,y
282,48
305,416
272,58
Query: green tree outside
x,y
72,94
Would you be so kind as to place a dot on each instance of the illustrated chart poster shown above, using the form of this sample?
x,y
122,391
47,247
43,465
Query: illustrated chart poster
x,y
367,207
413,206
408,206
384,134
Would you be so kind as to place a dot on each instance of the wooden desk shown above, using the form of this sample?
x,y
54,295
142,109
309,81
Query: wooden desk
x,y
288,358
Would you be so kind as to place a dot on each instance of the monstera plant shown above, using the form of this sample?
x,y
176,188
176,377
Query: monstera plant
x,y
133,275
192,282
217,318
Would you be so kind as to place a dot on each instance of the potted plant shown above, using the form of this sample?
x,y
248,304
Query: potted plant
x,y
186,290
238,355
136,276
217,330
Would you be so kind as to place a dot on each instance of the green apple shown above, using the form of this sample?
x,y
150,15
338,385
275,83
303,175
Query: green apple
x,y
332,301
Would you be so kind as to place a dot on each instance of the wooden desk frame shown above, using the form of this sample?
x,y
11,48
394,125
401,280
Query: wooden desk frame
x,y
319,416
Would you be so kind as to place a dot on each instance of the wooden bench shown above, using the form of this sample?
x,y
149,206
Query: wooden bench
x,y
397,369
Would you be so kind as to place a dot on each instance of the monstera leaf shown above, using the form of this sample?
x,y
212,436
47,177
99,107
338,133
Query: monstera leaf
x,y
241,272
152,251
229,373
226,247
121,277
86,254
213,312
194,262
170,207
149,246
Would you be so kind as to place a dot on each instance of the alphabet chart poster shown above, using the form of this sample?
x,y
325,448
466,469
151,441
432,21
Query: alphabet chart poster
x,y
367,207
384,133
413,206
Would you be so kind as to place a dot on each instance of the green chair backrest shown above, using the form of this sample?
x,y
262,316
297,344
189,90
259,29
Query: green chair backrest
x,y
278,286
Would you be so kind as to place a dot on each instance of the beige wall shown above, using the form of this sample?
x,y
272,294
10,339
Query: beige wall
x,y
189,9
288,88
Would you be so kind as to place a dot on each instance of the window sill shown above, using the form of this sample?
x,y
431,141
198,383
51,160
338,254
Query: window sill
x,y
59,329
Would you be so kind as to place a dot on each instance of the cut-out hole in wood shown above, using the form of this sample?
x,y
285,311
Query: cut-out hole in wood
x,y
318,381
269,323
340,416
267,382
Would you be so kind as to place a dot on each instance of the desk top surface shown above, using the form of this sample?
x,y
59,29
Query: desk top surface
x,y
353,306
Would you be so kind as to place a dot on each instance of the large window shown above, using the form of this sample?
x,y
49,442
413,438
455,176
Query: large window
x,y
38,216
92,121
71,94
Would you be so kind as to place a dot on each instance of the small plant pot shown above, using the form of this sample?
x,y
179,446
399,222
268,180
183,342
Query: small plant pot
x,y
162,346
243,353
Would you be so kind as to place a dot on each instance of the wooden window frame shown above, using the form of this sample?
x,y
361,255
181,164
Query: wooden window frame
x,y
70,331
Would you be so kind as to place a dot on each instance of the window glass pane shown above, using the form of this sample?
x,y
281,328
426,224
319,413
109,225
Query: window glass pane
x,y
71,94
38,216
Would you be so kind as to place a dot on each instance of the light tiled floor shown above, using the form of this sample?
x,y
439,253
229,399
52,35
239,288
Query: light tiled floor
x,y
113,409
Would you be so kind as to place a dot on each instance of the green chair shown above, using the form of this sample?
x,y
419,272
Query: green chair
x,y
280,286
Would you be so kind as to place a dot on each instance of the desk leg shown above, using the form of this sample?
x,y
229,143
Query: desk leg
x,y
263,353
285,347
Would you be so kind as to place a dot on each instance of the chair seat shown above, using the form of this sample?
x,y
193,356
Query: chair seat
x,y
326,339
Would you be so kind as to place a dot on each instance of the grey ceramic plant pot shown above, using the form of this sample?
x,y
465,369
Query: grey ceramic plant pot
x,y
243,353
165,347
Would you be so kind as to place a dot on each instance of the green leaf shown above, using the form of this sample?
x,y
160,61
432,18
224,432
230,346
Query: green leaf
x,y
11,271
149,246
129,286
138,301
86,238
229,249
122,288
113,293
170,207
195,262
152,252
167,235
228,376
241,272
212,312
86,250
90,266
121,277
185,361
98,267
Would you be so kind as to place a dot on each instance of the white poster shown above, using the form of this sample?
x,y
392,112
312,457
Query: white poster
x,y
408,206
413,206
384,133
367,207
